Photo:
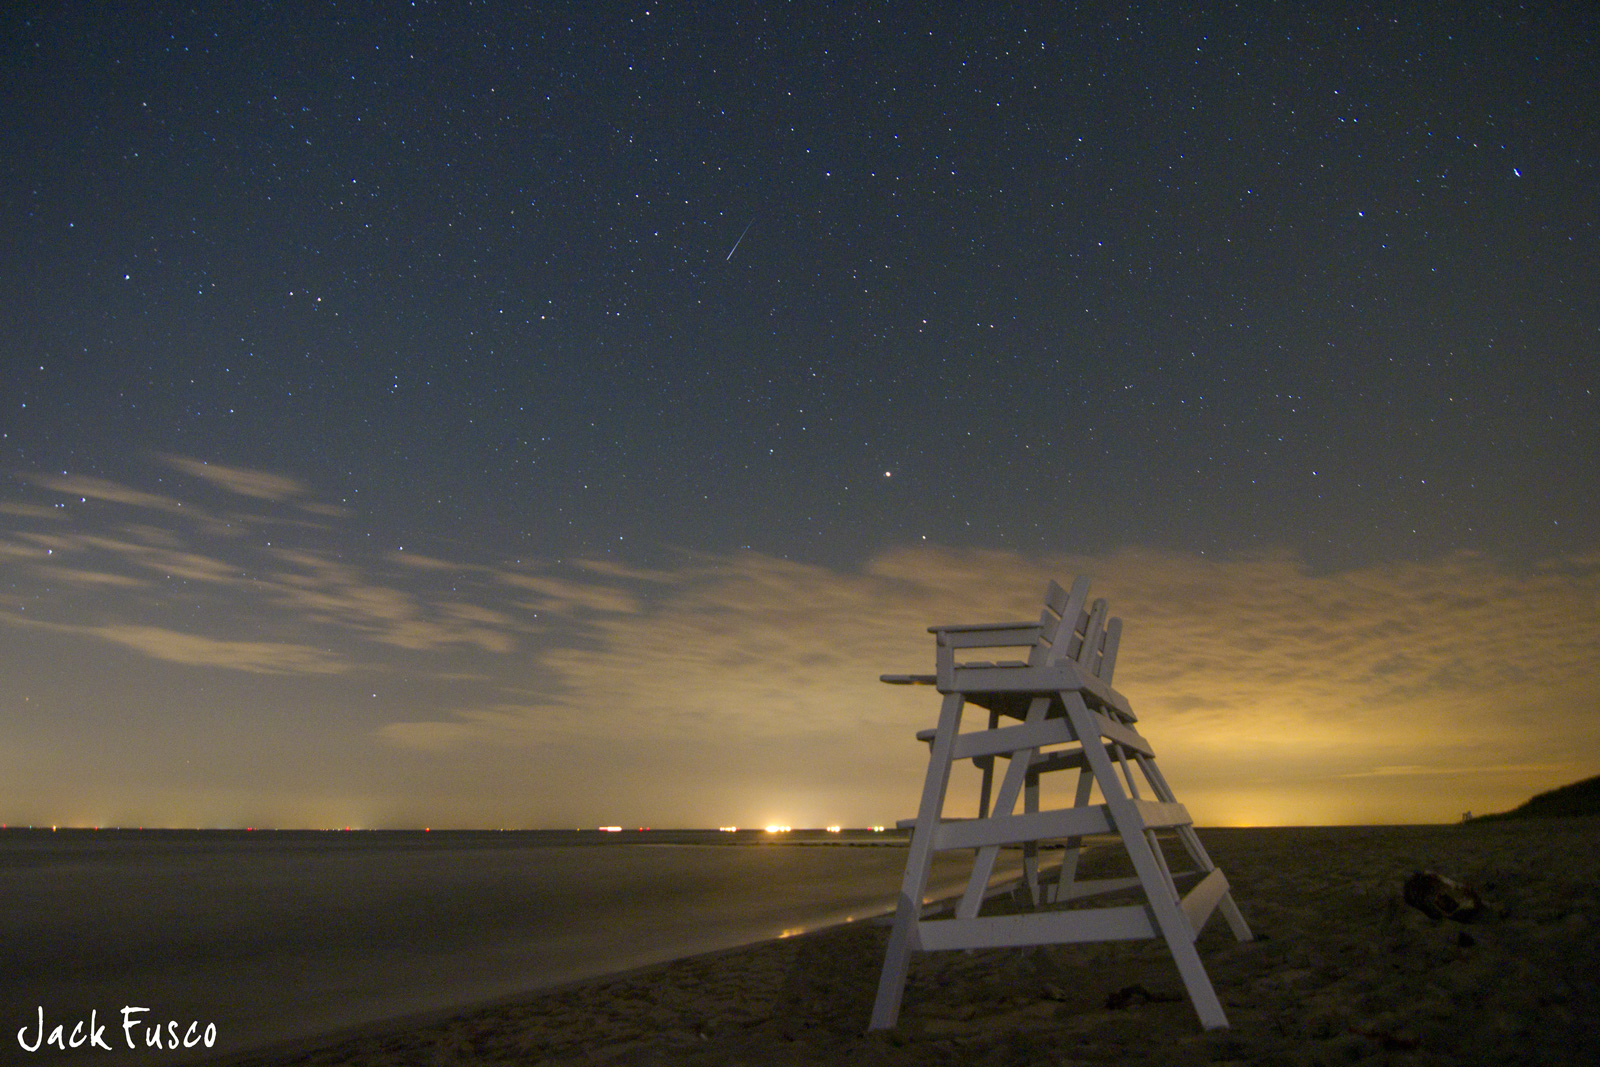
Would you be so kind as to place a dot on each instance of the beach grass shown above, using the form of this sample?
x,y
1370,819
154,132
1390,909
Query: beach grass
x,y
1342,971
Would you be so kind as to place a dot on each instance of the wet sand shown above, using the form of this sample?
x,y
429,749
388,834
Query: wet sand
x,y
1342,971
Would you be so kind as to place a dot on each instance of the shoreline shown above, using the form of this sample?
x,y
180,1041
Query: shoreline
x,y
313,1049
274,939
293,1050
1341,970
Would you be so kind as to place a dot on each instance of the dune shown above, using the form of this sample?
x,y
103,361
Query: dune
x,y
1576,798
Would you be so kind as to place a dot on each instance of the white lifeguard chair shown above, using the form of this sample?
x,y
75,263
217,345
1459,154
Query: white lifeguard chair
x,y
1071,719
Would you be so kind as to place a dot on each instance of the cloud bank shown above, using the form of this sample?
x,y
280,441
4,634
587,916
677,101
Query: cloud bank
x,y
1250,675
1399,692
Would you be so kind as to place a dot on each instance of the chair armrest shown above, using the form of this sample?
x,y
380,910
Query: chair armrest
x,y
988,635
978,627
908,679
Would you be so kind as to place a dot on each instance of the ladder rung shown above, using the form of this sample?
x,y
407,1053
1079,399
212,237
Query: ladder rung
x,y
1029,826
1127,923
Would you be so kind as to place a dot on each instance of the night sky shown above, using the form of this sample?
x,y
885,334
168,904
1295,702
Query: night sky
x,y
468,415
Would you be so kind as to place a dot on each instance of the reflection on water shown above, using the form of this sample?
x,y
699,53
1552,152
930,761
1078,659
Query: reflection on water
x,y
272,935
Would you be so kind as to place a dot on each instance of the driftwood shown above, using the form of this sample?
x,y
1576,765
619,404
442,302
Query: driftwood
x,y
1439,897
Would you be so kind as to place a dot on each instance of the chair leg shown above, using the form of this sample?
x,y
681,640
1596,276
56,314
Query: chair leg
x,y
1030,849
919,860
1159,893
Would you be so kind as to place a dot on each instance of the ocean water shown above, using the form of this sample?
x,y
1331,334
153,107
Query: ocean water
x,y
277,935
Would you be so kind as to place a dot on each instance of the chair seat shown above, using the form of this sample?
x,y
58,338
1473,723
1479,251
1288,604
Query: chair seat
x,y
991,679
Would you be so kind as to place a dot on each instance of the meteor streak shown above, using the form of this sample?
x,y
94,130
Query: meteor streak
x,y
735,247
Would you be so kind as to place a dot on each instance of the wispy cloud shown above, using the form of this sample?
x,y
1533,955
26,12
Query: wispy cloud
x,y
302,578
557,595
21,551
31,511
421,562
134,555
502,723
86,487
328,591
257,656
172,646
261,485
94,579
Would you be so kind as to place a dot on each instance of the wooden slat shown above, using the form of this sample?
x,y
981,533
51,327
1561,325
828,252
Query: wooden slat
x,y
1049,622
1030,826
1072,637
1011,738
1059,676
1073,619
992,679
1108,656
1202,899
1054,642
1127,923
1090,887
1093,631
1049,762
992,633
1124,736
1103,694
1159,816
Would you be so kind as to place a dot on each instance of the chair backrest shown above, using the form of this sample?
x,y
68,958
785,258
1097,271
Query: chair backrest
x,y
1068,631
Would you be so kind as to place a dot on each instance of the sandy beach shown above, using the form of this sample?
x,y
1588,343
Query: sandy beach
x,y
1342,971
